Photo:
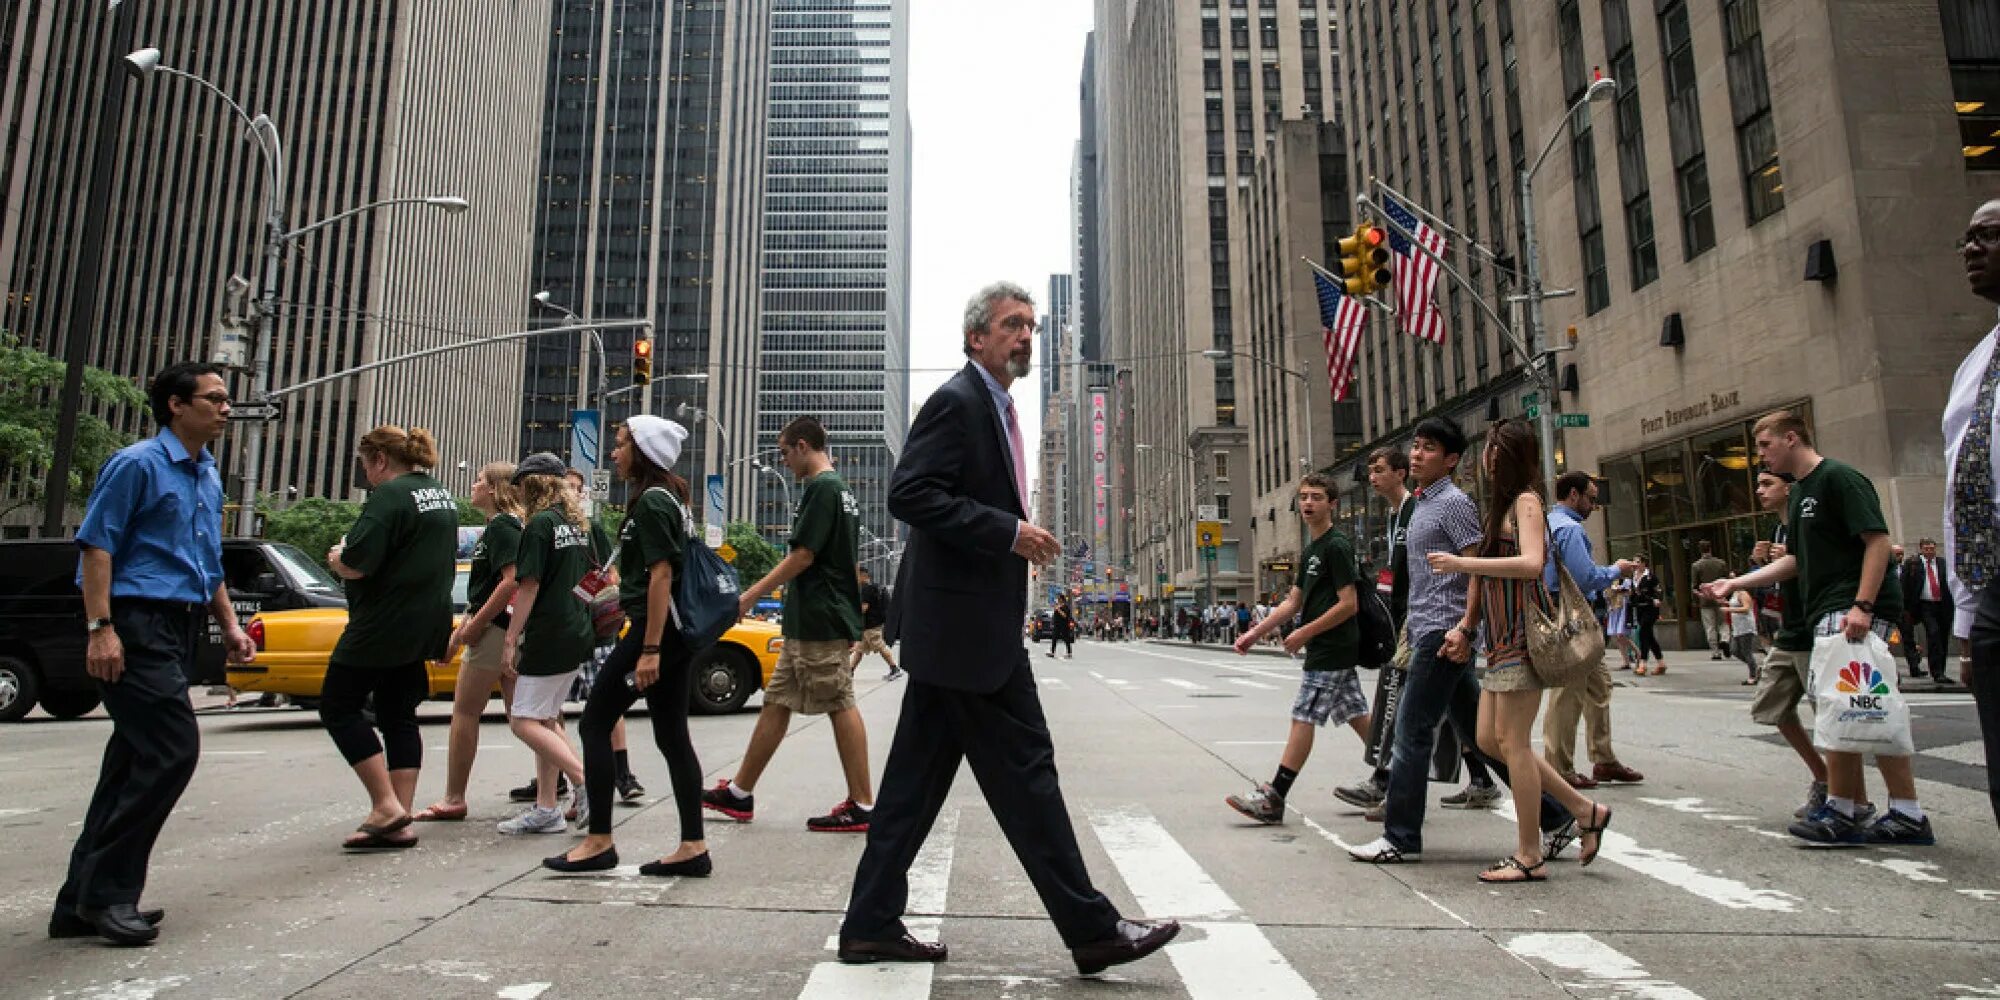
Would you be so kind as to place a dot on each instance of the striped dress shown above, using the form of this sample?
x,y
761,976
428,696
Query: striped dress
x,y
1504,604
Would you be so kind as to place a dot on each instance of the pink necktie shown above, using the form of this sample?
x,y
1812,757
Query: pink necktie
x,y
1020,462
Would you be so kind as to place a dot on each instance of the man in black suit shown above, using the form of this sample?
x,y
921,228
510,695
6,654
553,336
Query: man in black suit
x,y
1927,591
961,486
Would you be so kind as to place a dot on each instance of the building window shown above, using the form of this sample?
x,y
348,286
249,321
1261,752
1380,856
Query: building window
x,y
1633,183
1972,48
1750,105
1222,506
1583,160
1684,130
1221,466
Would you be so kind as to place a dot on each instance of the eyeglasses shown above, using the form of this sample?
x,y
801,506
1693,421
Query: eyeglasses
x,y
1015,324
217,399
1987,238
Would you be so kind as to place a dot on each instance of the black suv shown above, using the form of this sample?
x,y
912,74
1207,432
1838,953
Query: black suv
x,y
42,638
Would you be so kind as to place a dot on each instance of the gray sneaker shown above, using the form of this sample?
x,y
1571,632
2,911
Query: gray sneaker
x,y
1363,795
1262,804
535,820
1472,797
1815,797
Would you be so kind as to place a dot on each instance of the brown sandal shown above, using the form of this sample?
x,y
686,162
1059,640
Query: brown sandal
x,y
1595,831
1537,872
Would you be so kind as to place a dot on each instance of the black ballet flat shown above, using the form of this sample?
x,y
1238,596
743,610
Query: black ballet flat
x,y
698,866
602,861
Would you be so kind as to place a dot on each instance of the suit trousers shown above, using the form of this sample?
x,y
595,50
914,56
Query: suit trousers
x,y
1005,739
149,759
1592,701
1986,685
1935,617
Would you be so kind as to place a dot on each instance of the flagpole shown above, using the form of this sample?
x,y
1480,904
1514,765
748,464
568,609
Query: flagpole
x,y
1435,221
1506,329
1341,283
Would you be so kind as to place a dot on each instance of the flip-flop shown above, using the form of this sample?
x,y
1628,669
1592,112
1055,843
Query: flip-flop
x,y
384,829
1587,857
440,813
377,842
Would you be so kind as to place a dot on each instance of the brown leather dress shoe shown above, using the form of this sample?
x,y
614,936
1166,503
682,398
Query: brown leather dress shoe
x,y
855,951
1130,941
1578,781
1617,772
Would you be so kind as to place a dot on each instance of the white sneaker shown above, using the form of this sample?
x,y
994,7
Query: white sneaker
x,y
535,820
1381,852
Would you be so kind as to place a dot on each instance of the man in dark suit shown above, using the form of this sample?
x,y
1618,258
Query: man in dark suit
x,y
961,486
1927,591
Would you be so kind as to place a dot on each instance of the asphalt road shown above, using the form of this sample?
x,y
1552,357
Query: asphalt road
x,y
1699,892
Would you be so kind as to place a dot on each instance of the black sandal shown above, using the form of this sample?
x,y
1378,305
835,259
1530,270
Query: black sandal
x,y
1537,872
1596,831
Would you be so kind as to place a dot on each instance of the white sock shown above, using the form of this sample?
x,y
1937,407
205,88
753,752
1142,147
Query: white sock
x,y
738,790
1907,807
1845,807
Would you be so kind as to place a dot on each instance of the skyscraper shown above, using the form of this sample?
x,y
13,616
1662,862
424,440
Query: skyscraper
x,y
650,194
834,341
373,103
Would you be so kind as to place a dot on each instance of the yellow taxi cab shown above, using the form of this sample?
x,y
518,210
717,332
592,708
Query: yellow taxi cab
x,y
293,648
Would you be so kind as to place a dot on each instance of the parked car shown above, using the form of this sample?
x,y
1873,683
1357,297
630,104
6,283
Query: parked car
x,y
41,616
1044,628
294,646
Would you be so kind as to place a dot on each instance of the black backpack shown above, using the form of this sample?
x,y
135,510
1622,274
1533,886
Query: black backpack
x,y
1378,630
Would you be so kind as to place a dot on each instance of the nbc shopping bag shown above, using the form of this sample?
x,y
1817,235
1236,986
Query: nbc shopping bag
x,y
1856,704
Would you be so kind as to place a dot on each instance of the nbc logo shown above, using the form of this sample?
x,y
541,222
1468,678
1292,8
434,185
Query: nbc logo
x,y
1860,678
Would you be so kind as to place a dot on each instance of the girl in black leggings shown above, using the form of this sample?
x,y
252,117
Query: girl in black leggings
x,y
1646,612
650,661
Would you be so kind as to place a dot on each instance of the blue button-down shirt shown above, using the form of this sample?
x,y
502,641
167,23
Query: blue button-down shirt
x,y
1445,520
1572,546
158,511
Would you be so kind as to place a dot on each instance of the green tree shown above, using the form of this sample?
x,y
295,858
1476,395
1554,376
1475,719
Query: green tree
x,y
468,515
754,556
29,384
314,524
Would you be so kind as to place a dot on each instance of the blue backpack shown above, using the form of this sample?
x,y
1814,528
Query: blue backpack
x,y
705,591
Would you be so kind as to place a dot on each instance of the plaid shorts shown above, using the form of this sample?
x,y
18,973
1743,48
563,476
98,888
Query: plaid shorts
x,y
1830,625
1329,696
587,676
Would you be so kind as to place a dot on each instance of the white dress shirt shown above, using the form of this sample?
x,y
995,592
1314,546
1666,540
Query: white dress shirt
x,y
1958,409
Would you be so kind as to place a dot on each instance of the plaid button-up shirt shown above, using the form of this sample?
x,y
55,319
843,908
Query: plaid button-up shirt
x,y
1446,520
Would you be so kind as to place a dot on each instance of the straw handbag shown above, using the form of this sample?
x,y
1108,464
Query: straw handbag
x,y
1565,646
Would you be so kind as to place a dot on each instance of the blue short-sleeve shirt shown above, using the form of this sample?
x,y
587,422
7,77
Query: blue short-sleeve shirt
x,y
158,511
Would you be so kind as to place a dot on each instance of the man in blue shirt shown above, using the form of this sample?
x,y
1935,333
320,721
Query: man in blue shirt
x,y
1576,496
151,571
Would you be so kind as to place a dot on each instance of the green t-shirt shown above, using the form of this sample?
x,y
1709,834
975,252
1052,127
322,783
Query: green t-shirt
x,y
655,530
1327,567
1794,632
558,635
824,602
498,547
405,545
1832,507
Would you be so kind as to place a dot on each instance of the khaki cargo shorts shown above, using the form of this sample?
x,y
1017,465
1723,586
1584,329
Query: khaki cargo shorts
x,y
812,677
1780,685
871,642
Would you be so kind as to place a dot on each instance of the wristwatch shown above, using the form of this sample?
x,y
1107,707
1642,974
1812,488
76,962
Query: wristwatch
x,y
96,624
1867,606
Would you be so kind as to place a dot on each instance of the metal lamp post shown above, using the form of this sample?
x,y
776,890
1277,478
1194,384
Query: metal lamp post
x,y
543,299
146,62
1600,89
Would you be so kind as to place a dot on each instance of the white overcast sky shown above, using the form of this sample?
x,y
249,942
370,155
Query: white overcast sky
x,y
993,113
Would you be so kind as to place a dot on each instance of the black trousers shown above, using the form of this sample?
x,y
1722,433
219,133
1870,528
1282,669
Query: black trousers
x,y
1065,640
149,759
1005,738
1649,643
1935,617
1986,684
397,691
667,702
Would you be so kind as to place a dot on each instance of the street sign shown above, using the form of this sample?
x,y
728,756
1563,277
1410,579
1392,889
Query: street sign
x,y
1206,512
269,409
714,497
583,439
1208,533
712,536
1573,420
727,552
1162,580
1531,399
1208,554
600,484
1534,413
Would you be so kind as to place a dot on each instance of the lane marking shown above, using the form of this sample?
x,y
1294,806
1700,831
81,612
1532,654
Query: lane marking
x,y
1915,871
1983,895
1183,685
1222,664
1675,871
1971,752
524,991
1227,957
1607,971
1247,682
930,882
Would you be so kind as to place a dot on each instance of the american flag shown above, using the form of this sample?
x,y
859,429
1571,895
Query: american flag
x,y
1416,273
1340,316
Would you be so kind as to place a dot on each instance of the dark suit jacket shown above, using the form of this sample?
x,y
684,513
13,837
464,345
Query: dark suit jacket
x,y
961,593
1913,581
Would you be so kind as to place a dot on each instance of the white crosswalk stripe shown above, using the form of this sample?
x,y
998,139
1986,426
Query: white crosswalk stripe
x,y
930,882
1605,970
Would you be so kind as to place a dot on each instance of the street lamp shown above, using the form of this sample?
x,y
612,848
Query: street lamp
x,y
1601,89
546,301
144,64
1218,354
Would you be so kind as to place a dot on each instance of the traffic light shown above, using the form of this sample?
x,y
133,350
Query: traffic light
x,y
642,360
1364,260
